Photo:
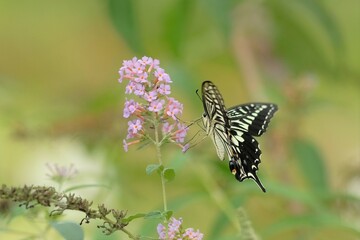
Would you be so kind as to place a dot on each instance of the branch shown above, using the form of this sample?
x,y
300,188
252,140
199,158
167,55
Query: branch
x,y
31,196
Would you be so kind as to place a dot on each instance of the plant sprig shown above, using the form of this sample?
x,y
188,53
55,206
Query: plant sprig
x,y
31,196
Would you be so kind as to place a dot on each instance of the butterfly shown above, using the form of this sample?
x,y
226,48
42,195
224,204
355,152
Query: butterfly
x,y
233,130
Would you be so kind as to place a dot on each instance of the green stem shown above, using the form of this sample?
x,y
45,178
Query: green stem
x,y
158,153
129,234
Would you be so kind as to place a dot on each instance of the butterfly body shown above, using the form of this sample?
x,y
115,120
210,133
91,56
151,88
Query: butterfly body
x,y
232,131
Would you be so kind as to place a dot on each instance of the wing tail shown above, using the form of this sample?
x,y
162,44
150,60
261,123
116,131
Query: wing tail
x,y
239,173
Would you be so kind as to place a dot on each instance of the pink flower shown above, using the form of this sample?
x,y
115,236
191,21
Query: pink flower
x,y
138,68
161,229
125,145
130,107
61,173
154,65
174,108
139,89
164,89
128,66
130,87
150,96
174,231
134,126
174,224
192,235
130,135
167,128
161,75
156,106
181,133
151,85
121,73
142,78
185,147
146,61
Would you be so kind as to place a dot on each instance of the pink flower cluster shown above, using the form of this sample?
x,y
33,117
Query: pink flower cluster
x,y
151,84
174,230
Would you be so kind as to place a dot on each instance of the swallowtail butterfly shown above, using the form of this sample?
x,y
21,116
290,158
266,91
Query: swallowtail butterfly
x,y
233,130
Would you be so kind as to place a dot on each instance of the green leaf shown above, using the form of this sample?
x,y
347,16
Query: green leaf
x,y
154,214
69,230
168,214
132,217
153,167
150,215
123,16
311,164
169,174
85,186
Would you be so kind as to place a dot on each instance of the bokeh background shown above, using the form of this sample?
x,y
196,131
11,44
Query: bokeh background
x,y
60,102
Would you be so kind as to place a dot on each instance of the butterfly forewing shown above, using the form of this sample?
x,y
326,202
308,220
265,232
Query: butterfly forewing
x,y
232,131
214,118
213,102
253,117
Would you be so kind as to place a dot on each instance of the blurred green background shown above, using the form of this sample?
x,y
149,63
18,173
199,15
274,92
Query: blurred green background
x,y
60,102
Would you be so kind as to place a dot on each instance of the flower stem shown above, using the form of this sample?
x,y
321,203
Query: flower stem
x,y
158,153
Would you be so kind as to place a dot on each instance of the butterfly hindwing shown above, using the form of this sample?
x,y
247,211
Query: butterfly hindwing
x,y
247,159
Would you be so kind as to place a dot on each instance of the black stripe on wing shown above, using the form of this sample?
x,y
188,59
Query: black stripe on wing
x,y
252,118
245,158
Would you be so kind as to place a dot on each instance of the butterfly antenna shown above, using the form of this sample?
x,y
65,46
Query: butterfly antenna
x,y
197,93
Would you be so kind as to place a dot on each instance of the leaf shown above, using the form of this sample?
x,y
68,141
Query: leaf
x,y
69,230
85,186
154,214
169,174
123,16
311,164
167,214
153,167
150,215
132,217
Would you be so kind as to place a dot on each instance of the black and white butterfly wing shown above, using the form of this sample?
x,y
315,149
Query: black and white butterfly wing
x,y
245,158
252,117
246,121
214,118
